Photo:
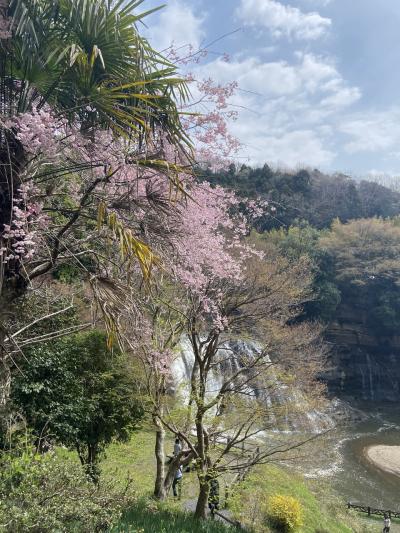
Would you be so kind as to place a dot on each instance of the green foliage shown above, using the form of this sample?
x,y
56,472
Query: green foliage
x,y
78,393
302,241
307,195
44,493
81,53
355,265
67,273
284,512
366,257
365,250
31,306
321,508
72,272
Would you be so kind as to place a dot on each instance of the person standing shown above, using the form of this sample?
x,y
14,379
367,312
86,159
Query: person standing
x,y
177,483
177,447
213,497
386,524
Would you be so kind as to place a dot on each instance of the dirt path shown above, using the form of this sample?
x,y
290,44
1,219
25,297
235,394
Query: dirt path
x,y
190,506
377,525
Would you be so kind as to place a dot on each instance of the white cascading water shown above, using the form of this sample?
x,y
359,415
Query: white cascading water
x,y
303,419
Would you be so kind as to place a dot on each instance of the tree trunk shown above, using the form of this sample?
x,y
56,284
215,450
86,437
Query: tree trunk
x,y
90,460
169,478
7,297
202,443
182,459
159,486
4,372
202,500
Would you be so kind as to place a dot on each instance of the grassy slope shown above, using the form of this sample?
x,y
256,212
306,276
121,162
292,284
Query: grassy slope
x,y
133,459
325,514
146,519
136,459
318,514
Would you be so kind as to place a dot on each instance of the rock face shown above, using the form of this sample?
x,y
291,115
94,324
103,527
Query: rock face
x,y
365,364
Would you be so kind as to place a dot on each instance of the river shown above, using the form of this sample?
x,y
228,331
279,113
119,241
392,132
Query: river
x,y
342,462
346,467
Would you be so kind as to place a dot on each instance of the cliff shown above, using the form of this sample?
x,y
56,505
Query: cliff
x,y
365,364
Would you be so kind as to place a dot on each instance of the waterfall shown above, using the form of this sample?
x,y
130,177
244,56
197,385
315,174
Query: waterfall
x,y
275,394
370,376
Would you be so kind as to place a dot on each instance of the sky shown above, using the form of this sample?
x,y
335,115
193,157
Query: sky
x,y
319,80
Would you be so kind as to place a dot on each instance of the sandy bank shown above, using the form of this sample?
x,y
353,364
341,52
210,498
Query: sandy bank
x,y
386,458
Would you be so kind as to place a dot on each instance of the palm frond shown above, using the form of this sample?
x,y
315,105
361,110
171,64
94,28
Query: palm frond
x,y
130,247
75,53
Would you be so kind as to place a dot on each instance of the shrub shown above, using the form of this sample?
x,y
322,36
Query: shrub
x,y
45,494
75,392
284,512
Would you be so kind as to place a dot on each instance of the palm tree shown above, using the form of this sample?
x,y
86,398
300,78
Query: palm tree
x,y
87,62
78,53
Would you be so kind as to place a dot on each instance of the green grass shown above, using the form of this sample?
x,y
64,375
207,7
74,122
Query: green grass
x,y
148,518
135,460
128,460
323,513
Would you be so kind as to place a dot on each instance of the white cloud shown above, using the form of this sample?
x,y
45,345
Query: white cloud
x,y
316,69
322,3
380,175
273,78
291,149
373,132
177,24
287,110
309,75
282,131
283,19
343,97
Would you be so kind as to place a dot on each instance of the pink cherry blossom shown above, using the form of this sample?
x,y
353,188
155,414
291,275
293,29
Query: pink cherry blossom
x,y
5,21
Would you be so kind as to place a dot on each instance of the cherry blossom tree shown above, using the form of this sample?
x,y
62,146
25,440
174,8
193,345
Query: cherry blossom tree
x,y
85,111
204,248
209,111
217,289
234,393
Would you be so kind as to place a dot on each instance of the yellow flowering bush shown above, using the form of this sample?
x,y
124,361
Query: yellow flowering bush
x,y
284,512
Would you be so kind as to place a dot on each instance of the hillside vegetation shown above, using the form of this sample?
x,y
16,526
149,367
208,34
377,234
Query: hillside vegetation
x,y
308,195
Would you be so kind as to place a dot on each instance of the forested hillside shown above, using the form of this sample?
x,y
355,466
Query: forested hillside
x,y
350,230
308,195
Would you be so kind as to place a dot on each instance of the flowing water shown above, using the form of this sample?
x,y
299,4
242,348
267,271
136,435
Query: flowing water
x,y
273,392
343,463
348,470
